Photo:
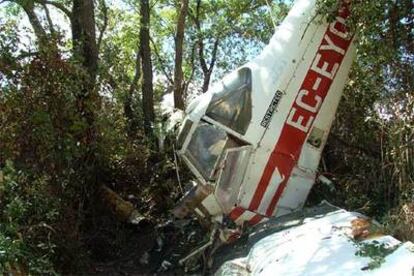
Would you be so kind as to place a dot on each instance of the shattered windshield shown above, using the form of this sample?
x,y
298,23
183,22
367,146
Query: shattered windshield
x,y
231,105
205,148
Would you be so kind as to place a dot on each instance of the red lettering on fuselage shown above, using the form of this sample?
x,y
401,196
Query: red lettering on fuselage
x,y
304,110
319,77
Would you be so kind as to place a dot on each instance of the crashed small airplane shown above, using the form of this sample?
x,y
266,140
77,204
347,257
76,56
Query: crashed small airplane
x,y
254,140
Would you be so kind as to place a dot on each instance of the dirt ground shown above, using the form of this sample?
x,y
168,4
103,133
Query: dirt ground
x,y
147,249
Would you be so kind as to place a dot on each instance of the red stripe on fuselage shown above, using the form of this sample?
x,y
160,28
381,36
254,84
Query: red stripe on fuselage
x,y
236,213
239,211
303,111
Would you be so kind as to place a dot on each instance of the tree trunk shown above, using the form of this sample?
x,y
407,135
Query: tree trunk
x,y
43,40
84,35
85,52
122,209
145,52
178,71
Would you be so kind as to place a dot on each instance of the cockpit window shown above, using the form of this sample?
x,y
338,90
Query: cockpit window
x,y
206,146
232,105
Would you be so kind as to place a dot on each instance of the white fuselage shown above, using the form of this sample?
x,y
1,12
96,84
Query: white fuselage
x,y
257,136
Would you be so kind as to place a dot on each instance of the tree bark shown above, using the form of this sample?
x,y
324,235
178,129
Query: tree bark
x,y
85,51
178,71
84,35
145,52
122,209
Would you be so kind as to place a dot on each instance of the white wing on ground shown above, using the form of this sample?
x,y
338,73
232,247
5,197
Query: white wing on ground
x,y
335,243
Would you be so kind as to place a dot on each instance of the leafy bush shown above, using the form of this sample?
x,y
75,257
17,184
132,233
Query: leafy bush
x,y
27,236
370,153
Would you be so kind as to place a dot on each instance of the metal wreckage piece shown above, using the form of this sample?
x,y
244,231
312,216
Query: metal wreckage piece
x,y
254,139
321,240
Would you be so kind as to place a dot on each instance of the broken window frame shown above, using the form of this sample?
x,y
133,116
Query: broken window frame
x,y
195,163
240,172
184,133
233,141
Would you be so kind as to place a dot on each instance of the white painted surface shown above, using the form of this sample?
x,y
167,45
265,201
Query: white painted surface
x,y
320,246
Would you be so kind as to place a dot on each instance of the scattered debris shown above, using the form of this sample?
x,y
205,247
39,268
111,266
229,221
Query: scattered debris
x,y
165,265
144,260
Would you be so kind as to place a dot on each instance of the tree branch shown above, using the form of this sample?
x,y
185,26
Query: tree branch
x,y
213,55
192,58
200,41
137,74
161,61
49,20
57,5
105,23
38,29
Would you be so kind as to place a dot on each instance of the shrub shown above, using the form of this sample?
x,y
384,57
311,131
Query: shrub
x,y
27,236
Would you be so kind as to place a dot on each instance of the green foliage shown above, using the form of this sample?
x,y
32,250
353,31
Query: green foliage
x,y
40,123
43,133
376,251
27,241
370,153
